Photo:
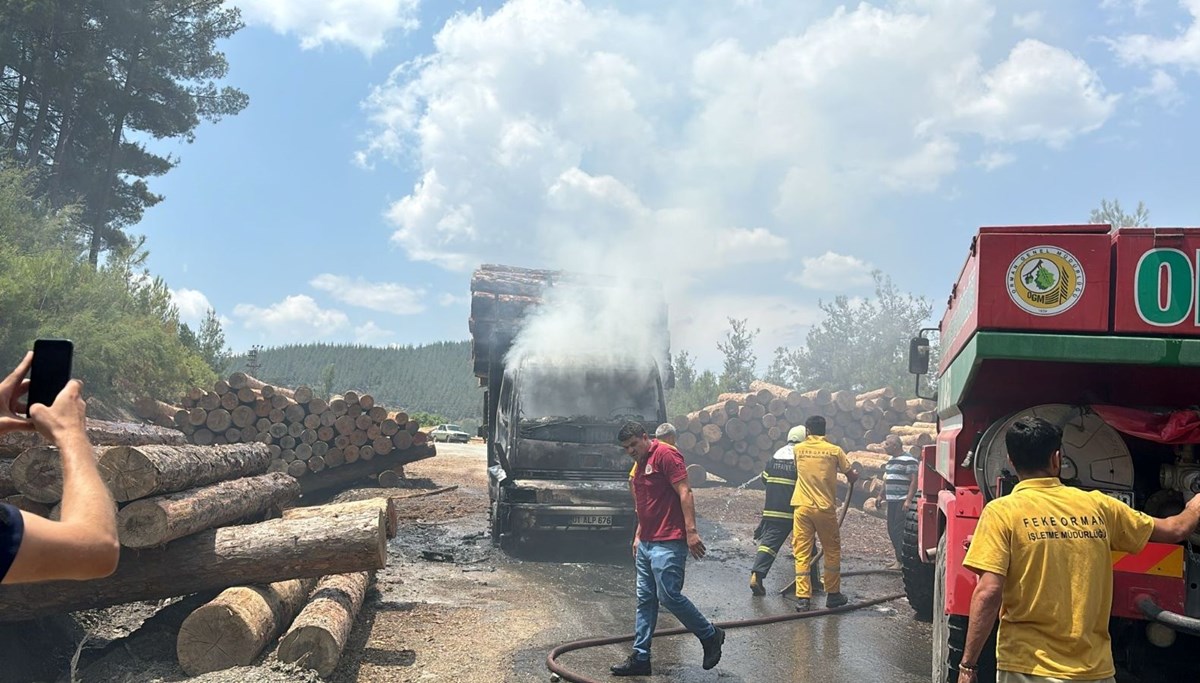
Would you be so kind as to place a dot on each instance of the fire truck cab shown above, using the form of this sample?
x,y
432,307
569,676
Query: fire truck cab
x,y
1097,330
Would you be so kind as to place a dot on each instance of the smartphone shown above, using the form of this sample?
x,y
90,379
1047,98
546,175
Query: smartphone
x,y
51,370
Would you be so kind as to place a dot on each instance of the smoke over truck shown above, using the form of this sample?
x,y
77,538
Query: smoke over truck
x,y
1098,331
564,360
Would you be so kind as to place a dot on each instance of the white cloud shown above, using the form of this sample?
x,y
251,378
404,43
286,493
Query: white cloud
x,y
363,24
371,334
1163,89
385,297
1182,50
1041,93
192,304
447,299
1029,21
992,160
600,138
1136,6
747,246
296,318
551,132
833,272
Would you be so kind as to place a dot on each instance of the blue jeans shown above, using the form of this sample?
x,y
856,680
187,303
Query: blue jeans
x,y
659,567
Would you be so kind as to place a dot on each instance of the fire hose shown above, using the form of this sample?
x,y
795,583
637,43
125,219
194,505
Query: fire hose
x,y
568,675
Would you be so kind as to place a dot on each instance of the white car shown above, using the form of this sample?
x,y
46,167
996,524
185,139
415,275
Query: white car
x,y
449,433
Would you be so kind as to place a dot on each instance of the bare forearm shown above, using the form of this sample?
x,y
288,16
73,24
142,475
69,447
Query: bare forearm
x,y
86,500
1176,529
985,606
687,502
912,488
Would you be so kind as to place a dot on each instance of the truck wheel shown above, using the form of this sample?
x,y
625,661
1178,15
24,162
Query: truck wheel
x,y
950,634
918,575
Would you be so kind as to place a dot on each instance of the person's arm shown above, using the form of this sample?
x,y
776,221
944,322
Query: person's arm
x,y
1178,528
912,491
83,544
845,467
684,490
985,607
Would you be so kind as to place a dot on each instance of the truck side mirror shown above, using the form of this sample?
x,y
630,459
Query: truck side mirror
x,y
918,356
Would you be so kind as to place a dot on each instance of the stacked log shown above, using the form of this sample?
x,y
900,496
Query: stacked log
x,y
911,436
308,436
234,628
319,634
733,437
215,559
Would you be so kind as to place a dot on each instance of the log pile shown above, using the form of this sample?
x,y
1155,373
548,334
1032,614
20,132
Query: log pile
x,y
178,507
733,437
324,443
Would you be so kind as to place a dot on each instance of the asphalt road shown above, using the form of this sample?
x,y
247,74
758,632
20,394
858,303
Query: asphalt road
x,y
589,593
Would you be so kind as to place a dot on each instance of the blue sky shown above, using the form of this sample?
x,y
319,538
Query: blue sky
x,y
755,157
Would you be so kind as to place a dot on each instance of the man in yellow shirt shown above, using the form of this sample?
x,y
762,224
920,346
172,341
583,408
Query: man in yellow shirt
x,y
1043,556
815,512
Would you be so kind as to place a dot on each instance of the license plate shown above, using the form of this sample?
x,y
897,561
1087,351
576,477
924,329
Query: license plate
x,y
591,520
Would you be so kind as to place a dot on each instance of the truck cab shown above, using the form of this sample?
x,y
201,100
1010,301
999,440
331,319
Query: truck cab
x,y
1097,330
553,401
556,465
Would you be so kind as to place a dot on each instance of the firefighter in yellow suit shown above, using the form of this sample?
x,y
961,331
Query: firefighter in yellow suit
x,y
815,512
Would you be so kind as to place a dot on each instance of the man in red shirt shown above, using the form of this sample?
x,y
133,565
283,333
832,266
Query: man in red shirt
x,y
666,533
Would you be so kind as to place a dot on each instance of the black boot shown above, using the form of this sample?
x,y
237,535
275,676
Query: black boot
x,y
632,666
712,648
835,600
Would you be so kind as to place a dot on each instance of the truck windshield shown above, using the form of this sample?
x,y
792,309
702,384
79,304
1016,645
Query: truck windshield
x,y
558,395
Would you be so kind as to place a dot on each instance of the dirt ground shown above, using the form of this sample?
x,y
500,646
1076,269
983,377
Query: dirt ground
x,y
448,607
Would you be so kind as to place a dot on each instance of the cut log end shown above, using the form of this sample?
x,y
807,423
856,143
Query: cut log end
x,y
311,647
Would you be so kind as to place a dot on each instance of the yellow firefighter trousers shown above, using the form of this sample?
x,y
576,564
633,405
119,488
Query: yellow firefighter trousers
x,y
809,521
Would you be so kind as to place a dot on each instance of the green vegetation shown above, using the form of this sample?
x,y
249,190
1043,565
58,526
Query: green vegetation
x,y
436,378
87,83
127,335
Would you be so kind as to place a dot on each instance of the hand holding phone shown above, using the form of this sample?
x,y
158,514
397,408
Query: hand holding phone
x,y
51,371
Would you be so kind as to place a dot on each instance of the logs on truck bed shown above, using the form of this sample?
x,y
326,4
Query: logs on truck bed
x,y
318,635
233,628
100,433
137,472
153,521
276,550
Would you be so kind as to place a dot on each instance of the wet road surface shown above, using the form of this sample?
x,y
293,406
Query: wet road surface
x,y
879,643
558,591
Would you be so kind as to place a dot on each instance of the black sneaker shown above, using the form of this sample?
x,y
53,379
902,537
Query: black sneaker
x,y
803,604
632,666
712,648
835,600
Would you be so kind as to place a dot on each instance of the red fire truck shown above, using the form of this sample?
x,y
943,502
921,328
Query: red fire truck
x,y
1098,331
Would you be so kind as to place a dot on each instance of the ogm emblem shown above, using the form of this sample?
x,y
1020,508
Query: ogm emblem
x,y
1045,280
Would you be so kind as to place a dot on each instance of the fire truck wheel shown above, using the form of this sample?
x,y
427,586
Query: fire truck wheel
x,y
950,634
918,575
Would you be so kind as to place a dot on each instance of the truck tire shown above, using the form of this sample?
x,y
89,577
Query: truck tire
x,y
918,575
950,634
